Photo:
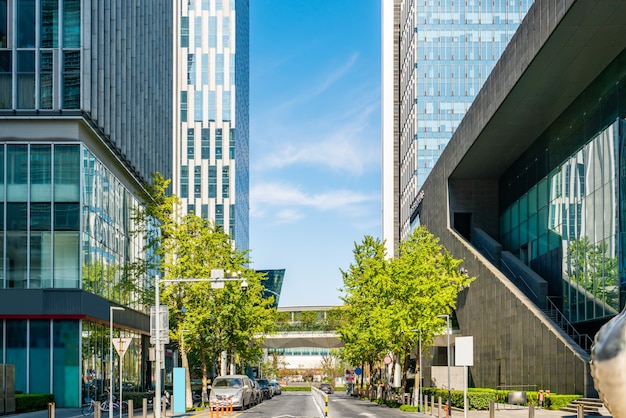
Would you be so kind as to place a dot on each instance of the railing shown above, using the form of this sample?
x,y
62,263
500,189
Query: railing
x,y
583,340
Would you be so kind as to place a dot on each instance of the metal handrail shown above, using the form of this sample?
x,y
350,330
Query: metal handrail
x,y
583,340
517,276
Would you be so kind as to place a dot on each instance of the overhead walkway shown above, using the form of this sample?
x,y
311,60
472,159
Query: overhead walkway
x,y
316,339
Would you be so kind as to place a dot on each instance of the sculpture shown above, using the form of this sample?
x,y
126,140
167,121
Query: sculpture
x,y
608,362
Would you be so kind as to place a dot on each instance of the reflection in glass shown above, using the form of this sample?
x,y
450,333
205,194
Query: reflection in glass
x,y
6,85
71,23
26,24
49,23
26,79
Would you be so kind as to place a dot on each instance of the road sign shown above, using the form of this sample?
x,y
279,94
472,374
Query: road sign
x,y
121,345
358,371
387,359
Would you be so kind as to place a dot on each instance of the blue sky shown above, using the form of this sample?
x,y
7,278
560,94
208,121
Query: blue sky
x,y
315,148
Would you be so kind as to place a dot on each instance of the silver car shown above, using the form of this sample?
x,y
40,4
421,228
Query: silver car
x,y
235,388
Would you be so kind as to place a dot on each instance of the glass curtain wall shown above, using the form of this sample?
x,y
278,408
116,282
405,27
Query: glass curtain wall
x,y
563,202
40,61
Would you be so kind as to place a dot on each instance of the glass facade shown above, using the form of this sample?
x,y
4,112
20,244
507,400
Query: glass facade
x,y
563,202
66,223
214,77
447,50
40,61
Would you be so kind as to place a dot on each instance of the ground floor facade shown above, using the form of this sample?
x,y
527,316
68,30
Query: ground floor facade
x,y
67,201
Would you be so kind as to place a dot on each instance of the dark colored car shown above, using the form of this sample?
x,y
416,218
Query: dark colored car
x,y
327,388
265,388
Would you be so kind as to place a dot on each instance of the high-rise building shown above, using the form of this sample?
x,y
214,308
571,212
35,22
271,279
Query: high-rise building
x,y
85,118
211,117
436,56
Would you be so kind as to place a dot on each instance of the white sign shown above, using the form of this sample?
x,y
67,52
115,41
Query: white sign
x,y
121,345
387,359
464,352
164,325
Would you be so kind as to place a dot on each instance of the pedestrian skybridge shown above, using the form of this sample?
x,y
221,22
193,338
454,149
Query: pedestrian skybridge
x,y
317,339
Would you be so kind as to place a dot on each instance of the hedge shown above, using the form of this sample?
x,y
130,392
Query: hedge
x,y
479,398
28,402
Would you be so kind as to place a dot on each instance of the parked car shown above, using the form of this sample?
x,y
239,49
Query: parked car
x,y
265,388
257,393
236,387
327,388
276,387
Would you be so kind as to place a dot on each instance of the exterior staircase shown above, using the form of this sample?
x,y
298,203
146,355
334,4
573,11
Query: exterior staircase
x,y
591,406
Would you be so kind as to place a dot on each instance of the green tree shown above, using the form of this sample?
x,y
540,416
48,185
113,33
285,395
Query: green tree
x,y
210,320
390,302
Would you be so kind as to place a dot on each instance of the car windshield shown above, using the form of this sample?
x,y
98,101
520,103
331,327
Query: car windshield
x,y
227,383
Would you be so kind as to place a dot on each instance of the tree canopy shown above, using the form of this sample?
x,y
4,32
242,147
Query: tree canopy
x,y
389,303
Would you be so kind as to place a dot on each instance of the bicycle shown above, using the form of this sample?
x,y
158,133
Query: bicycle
x,y
88,408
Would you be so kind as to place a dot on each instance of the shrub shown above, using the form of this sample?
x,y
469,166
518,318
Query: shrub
x,y
296,388
27,402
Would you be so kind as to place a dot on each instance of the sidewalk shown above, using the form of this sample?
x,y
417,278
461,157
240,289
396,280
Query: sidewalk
x,y
508,412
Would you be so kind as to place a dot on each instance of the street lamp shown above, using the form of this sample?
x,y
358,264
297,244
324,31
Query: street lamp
x,y
217,280
448,332
111,309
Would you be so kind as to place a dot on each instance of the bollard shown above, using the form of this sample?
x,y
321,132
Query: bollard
x,y
131,409
492,412
432,405
580,410
97,412
325,405
531,410
50,409
439,408
144,407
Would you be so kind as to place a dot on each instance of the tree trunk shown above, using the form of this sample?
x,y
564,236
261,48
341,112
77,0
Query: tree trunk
x,y
205,379
188,397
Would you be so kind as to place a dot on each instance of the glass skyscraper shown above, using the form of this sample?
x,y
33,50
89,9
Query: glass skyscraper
x,y
211,162
436,57
85,118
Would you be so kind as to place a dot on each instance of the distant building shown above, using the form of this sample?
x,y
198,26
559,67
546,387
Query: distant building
x,y
273,284
436,56
85,118
211,138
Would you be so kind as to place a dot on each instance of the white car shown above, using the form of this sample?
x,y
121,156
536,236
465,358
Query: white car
x,y
235,388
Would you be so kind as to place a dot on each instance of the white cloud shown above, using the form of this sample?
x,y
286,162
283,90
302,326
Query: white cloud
x,y
290,197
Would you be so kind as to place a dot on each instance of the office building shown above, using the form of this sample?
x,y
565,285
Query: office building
x,y
211,91
529,193
436,56
85,119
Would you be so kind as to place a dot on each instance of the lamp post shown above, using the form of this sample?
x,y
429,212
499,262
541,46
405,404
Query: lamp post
x,y
111,309
448,332
217,280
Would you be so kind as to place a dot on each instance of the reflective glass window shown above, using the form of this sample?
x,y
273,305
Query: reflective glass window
x,y
66,260
40,245
71,80
17,245
26,79
26,24
66,173
16,337
17,173
66,362
71,23
66,217
6,85
39,356
49,22
46,79
3,25
40,173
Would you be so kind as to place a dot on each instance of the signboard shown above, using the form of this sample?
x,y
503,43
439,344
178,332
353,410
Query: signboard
x,y
164,325
464,353
121,345
358,371
387,359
